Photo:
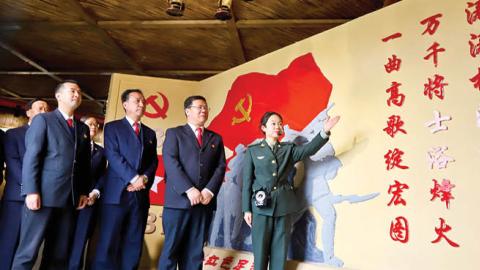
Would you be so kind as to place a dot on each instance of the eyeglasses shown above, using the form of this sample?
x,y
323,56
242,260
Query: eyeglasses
x,y
200,108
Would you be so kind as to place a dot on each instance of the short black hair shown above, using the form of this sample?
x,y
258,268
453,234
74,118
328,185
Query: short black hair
x,y
127,93
29,105
86,117
62,83
189,101
266,116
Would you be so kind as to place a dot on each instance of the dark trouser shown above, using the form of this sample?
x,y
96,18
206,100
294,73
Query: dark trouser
x,y
10,220
85,223
55,226
122,230
185,234
270,237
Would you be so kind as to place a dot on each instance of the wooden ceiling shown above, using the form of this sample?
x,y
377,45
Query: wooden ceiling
x,y
45,41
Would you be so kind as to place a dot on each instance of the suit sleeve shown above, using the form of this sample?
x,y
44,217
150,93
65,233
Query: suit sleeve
x,y
153,162
174,170
306,150
216,180
248,176
35,139
13,160
116,161
86,165
99,173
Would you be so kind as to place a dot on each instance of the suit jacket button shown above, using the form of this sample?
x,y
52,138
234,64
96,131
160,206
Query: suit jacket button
x,y
274,188
274,174
273,161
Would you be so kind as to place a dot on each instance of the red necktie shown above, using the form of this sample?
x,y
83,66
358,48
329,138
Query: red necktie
x,y
199,136
136,128
70,122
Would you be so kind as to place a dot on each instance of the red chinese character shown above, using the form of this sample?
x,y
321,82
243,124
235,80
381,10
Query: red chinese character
x,y
394,125
226,262
399,230
476,80
473,11
396,98
212,260
441,230
442,191
393,64
435,50
396,190
474,47
435,87
392,36
240,265
432,23
394,158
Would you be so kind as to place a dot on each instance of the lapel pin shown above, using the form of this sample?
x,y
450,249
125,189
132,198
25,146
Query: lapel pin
x,y
213,145
84,136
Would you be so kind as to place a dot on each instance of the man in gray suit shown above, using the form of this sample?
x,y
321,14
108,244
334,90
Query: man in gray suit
x,y
55,180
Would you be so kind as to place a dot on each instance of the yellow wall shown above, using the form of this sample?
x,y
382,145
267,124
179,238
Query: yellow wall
x,y
352,57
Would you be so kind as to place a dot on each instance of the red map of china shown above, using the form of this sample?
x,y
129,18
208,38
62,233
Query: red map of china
x,y
299,93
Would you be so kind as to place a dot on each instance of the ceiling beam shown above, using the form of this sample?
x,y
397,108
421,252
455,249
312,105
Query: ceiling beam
x,y
161,24
10,93
291,23
159,72
122,55
238,52
43,71
43,26
168,24
29,61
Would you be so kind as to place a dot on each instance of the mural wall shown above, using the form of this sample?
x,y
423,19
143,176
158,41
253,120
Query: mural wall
x,y
395,188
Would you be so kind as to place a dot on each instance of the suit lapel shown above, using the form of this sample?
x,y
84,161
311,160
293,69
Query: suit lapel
x,y
207,136
191,135
63,125
134,139
131,133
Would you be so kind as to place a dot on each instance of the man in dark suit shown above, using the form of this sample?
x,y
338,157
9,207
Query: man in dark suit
x,y
131,150
55,178
86,218
194,161
12,201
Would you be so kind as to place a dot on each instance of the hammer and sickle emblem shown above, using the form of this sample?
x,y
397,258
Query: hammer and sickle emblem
x,y
159,111
245,112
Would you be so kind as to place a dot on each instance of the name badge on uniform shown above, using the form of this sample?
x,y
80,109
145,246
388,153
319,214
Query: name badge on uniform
x,y
262,198
260,157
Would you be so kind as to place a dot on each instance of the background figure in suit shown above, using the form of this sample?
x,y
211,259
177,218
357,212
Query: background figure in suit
x,y
194,161
55,178
12,201
131,150
87,217
267,191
